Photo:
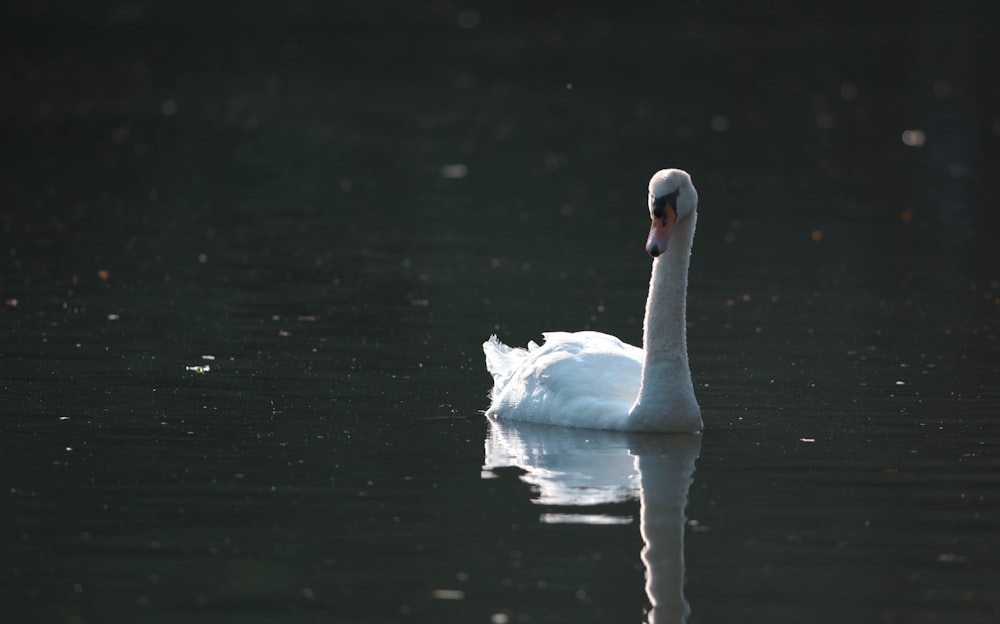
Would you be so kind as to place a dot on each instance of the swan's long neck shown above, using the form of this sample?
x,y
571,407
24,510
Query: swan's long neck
x,y
666,399
664,331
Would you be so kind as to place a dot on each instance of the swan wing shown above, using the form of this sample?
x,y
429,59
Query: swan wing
x,y
578,379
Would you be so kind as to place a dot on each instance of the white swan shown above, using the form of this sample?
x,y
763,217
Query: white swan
x,y
593,380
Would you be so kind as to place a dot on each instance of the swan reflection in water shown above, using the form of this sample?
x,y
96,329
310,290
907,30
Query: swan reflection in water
x,y
581,468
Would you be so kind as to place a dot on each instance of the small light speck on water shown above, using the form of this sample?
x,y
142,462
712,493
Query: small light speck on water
x,y
168,107
914,138
448,594
454,171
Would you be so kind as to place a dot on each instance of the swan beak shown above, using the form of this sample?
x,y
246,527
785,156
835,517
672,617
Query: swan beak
x,y
659,232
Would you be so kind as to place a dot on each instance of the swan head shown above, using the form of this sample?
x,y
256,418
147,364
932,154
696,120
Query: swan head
x,y
672,200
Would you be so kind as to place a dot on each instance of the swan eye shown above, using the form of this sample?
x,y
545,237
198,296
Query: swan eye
x,y
660,204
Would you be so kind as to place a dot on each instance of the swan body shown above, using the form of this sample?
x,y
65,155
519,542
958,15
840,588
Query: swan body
x,y
594,380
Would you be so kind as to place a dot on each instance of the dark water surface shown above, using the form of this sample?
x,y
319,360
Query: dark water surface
x,y
250,258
